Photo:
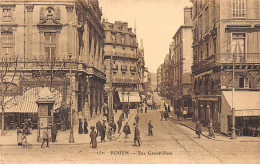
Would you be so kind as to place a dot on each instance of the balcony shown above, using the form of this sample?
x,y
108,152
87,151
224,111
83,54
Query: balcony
x,y
125,81
241,59
120,54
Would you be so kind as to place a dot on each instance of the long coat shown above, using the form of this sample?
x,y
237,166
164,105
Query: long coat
x,y
103,131
137,119
85,127
127,130
137,134
93,137
98,126
198,128
80,127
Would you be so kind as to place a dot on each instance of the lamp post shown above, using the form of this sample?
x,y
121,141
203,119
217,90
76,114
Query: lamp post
x,y
233,136
110,95
128,107
71,138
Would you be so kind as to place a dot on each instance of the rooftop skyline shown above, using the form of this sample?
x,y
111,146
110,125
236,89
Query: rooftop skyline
x,y
156,22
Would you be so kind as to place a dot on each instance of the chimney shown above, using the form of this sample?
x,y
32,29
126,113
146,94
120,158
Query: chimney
x,y
187,14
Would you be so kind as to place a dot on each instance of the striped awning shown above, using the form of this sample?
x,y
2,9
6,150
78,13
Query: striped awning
x,y
27,102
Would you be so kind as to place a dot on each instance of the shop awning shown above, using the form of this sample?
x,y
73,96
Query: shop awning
x,y
26,103
246,103
133,97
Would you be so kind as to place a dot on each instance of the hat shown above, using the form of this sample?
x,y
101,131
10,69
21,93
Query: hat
x,y
134,124
92,127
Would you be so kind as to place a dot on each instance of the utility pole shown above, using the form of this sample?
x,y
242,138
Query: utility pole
x,y
233,136
71,139
110,95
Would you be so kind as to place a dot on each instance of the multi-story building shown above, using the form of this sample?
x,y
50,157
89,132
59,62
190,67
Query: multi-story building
x,y
147,81
50,39
167,77
182,58
226,55
121,61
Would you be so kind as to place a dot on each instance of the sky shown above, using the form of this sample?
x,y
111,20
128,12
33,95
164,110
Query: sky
x,y
156,23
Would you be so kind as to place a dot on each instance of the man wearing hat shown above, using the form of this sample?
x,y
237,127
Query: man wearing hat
x,y
93,137
150,128
103,131
126,130
137,135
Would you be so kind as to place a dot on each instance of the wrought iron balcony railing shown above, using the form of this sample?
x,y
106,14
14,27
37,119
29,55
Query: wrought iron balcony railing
x,y
227,59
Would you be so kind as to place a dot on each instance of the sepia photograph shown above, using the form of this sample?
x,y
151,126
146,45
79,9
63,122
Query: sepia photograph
x,y
129,82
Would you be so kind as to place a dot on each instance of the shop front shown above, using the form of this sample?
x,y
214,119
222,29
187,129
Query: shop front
x,y
247,112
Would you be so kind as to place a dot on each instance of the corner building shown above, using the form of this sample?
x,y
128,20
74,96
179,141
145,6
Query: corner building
x,y
42,34
225,40
121,61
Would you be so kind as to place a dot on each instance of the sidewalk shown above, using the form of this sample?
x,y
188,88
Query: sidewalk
x,y
10,138
218,137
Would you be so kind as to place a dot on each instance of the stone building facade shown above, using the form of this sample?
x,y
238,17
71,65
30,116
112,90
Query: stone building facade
x,y
121,59
182,58
50,39
226,34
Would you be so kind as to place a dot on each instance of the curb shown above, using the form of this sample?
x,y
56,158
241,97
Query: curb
x,y
213,138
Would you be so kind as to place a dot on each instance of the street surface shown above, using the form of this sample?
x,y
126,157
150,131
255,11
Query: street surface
x,y
171,143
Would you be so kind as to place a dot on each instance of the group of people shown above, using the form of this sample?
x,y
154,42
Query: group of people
x,y
112,128
210,129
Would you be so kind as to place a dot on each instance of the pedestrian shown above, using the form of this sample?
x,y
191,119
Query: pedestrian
x,y
126,130
162,115
146,108
119,124
166,115
54,132
80,130
210,129
137,119
93,137
169,108
85,126
141,107
150,128
198,128
98,127
121,116
19,136
113,125
45,138
137,136
109,132
103,132
165,107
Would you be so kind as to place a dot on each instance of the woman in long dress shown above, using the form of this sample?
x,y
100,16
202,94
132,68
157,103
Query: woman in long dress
x,y
93,137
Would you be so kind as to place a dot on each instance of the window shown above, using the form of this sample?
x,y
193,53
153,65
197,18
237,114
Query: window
x,y
243,82
50,45
123,74
7,15
206,18
7,43
215,45
239,8
238,45
201,24
123,40
207,49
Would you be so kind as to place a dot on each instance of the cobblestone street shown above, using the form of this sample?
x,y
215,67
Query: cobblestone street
x,y
171,143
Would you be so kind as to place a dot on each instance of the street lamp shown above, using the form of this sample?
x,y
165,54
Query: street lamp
x,y
71,138
110,99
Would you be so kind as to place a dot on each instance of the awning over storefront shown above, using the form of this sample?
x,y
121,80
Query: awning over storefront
x,y
26,103
246,103
133,97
